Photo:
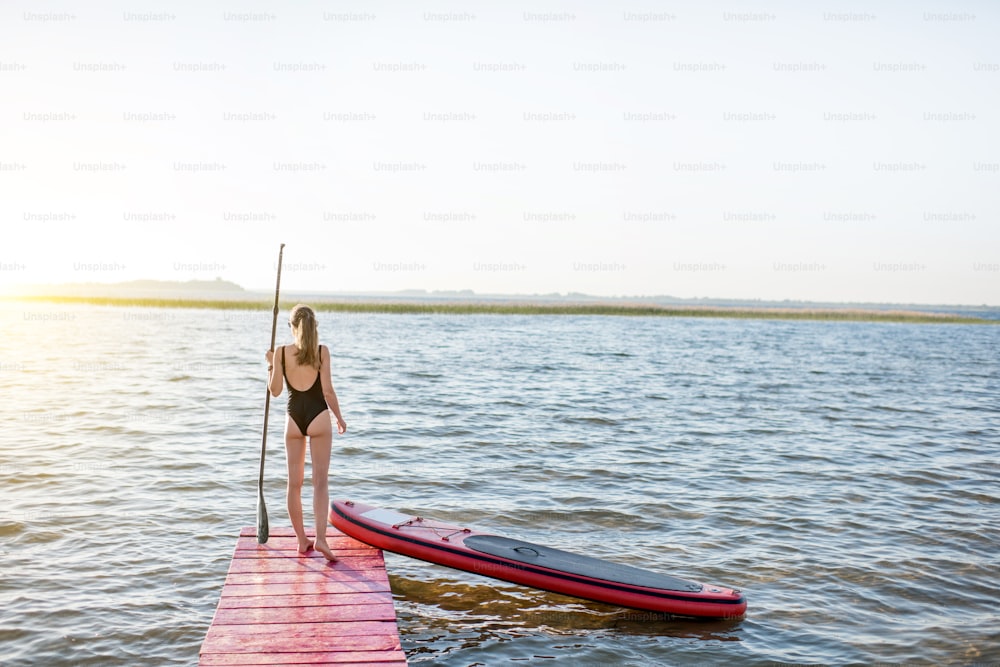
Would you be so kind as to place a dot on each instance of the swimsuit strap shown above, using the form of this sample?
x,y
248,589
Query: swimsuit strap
x,y
284,366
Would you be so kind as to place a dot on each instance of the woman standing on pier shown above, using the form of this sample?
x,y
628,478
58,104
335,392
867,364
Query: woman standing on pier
x,y
308,417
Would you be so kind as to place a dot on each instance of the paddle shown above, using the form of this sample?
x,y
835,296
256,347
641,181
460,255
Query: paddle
x,y
262,527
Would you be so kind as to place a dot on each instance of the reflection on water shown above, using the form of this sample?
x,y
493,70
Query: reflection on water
x,y
844,475
508,608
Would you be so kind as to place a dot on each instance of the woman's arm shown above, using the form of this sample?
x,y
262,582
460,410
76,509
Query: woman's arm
x,y
275,382
328,392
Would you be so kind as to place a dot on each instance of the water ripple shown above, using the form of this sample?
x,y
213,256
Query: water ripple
x,y
843,474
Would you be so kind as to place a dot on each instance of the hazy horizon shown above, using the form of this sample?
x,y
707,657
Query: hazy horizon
x,y
199,288
786,152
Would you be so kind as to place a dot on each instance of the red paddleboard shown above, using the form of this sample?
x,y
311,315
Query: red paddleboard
x,y
532,564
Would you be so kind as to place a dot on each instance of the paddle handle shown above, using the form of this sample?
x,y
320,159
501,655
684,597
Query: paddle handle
x,y
263,530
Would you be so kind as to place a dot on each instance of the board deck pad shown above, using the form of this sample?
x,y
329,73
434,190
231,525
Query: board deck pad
x,y
571,563
388,517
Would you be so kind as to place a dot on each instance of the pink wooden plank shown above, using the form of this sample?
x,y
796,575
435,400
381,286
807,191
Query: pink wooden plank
x,y
306,638
340,663
291,544
287,531
307,567
325,600
305,588
345,658
336,572
318,661
372,561
246,554
280,632
344,573
333,614
291,539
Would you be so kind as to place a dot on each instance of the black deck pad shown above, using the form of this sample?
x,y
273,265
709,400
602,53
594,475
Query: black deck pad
x,y
570,563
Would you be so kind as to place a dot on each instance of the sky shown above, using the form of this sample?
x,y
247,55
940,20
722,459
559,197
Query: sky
x,y
782,150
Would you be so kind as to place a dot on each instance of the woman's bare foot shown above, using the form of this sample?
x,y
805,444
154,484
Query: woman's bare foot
x,y
324,549
305,544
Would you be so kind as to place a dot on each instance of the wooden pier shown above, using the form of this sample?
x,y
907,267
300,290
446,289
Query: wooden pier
x,y
280,607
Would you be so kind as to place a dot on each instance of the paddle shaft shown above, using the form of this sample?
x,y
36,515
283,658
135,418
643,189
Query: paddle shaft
x,y
262,526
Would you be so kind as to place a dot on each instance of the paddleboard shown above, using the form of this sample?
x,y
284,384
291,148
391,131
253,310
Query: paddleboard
x,y
533,564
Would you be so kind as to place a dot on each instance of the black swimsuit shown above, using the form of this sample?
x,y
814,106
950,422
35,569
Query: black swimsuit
x,y
304,406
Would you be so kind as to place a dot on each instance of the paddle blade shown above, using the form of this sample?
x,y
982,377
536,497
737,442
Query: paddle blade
x,y
262,528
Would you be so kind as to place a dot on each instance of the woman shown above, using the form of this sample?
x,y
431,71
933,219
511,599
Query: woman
x,y
307,365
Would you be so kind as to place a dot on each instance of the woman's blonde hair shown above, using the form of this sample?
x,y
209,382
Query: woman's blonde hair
x,y
306,333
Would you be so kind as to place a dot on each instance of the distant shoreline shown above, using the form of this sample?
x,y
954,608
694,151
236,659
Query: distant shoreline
x,y
528,308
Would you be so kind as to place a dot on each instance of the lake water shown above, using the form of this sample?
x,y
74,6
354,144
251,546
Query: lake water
x,y
846,476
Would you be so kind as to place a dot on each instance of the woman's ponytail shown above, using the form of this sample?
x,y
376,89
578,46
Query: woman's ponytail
x,y
306,333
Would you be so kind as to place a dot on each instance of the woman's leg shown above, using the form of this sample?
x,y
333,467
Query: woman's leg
x,y
295,456
319,449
